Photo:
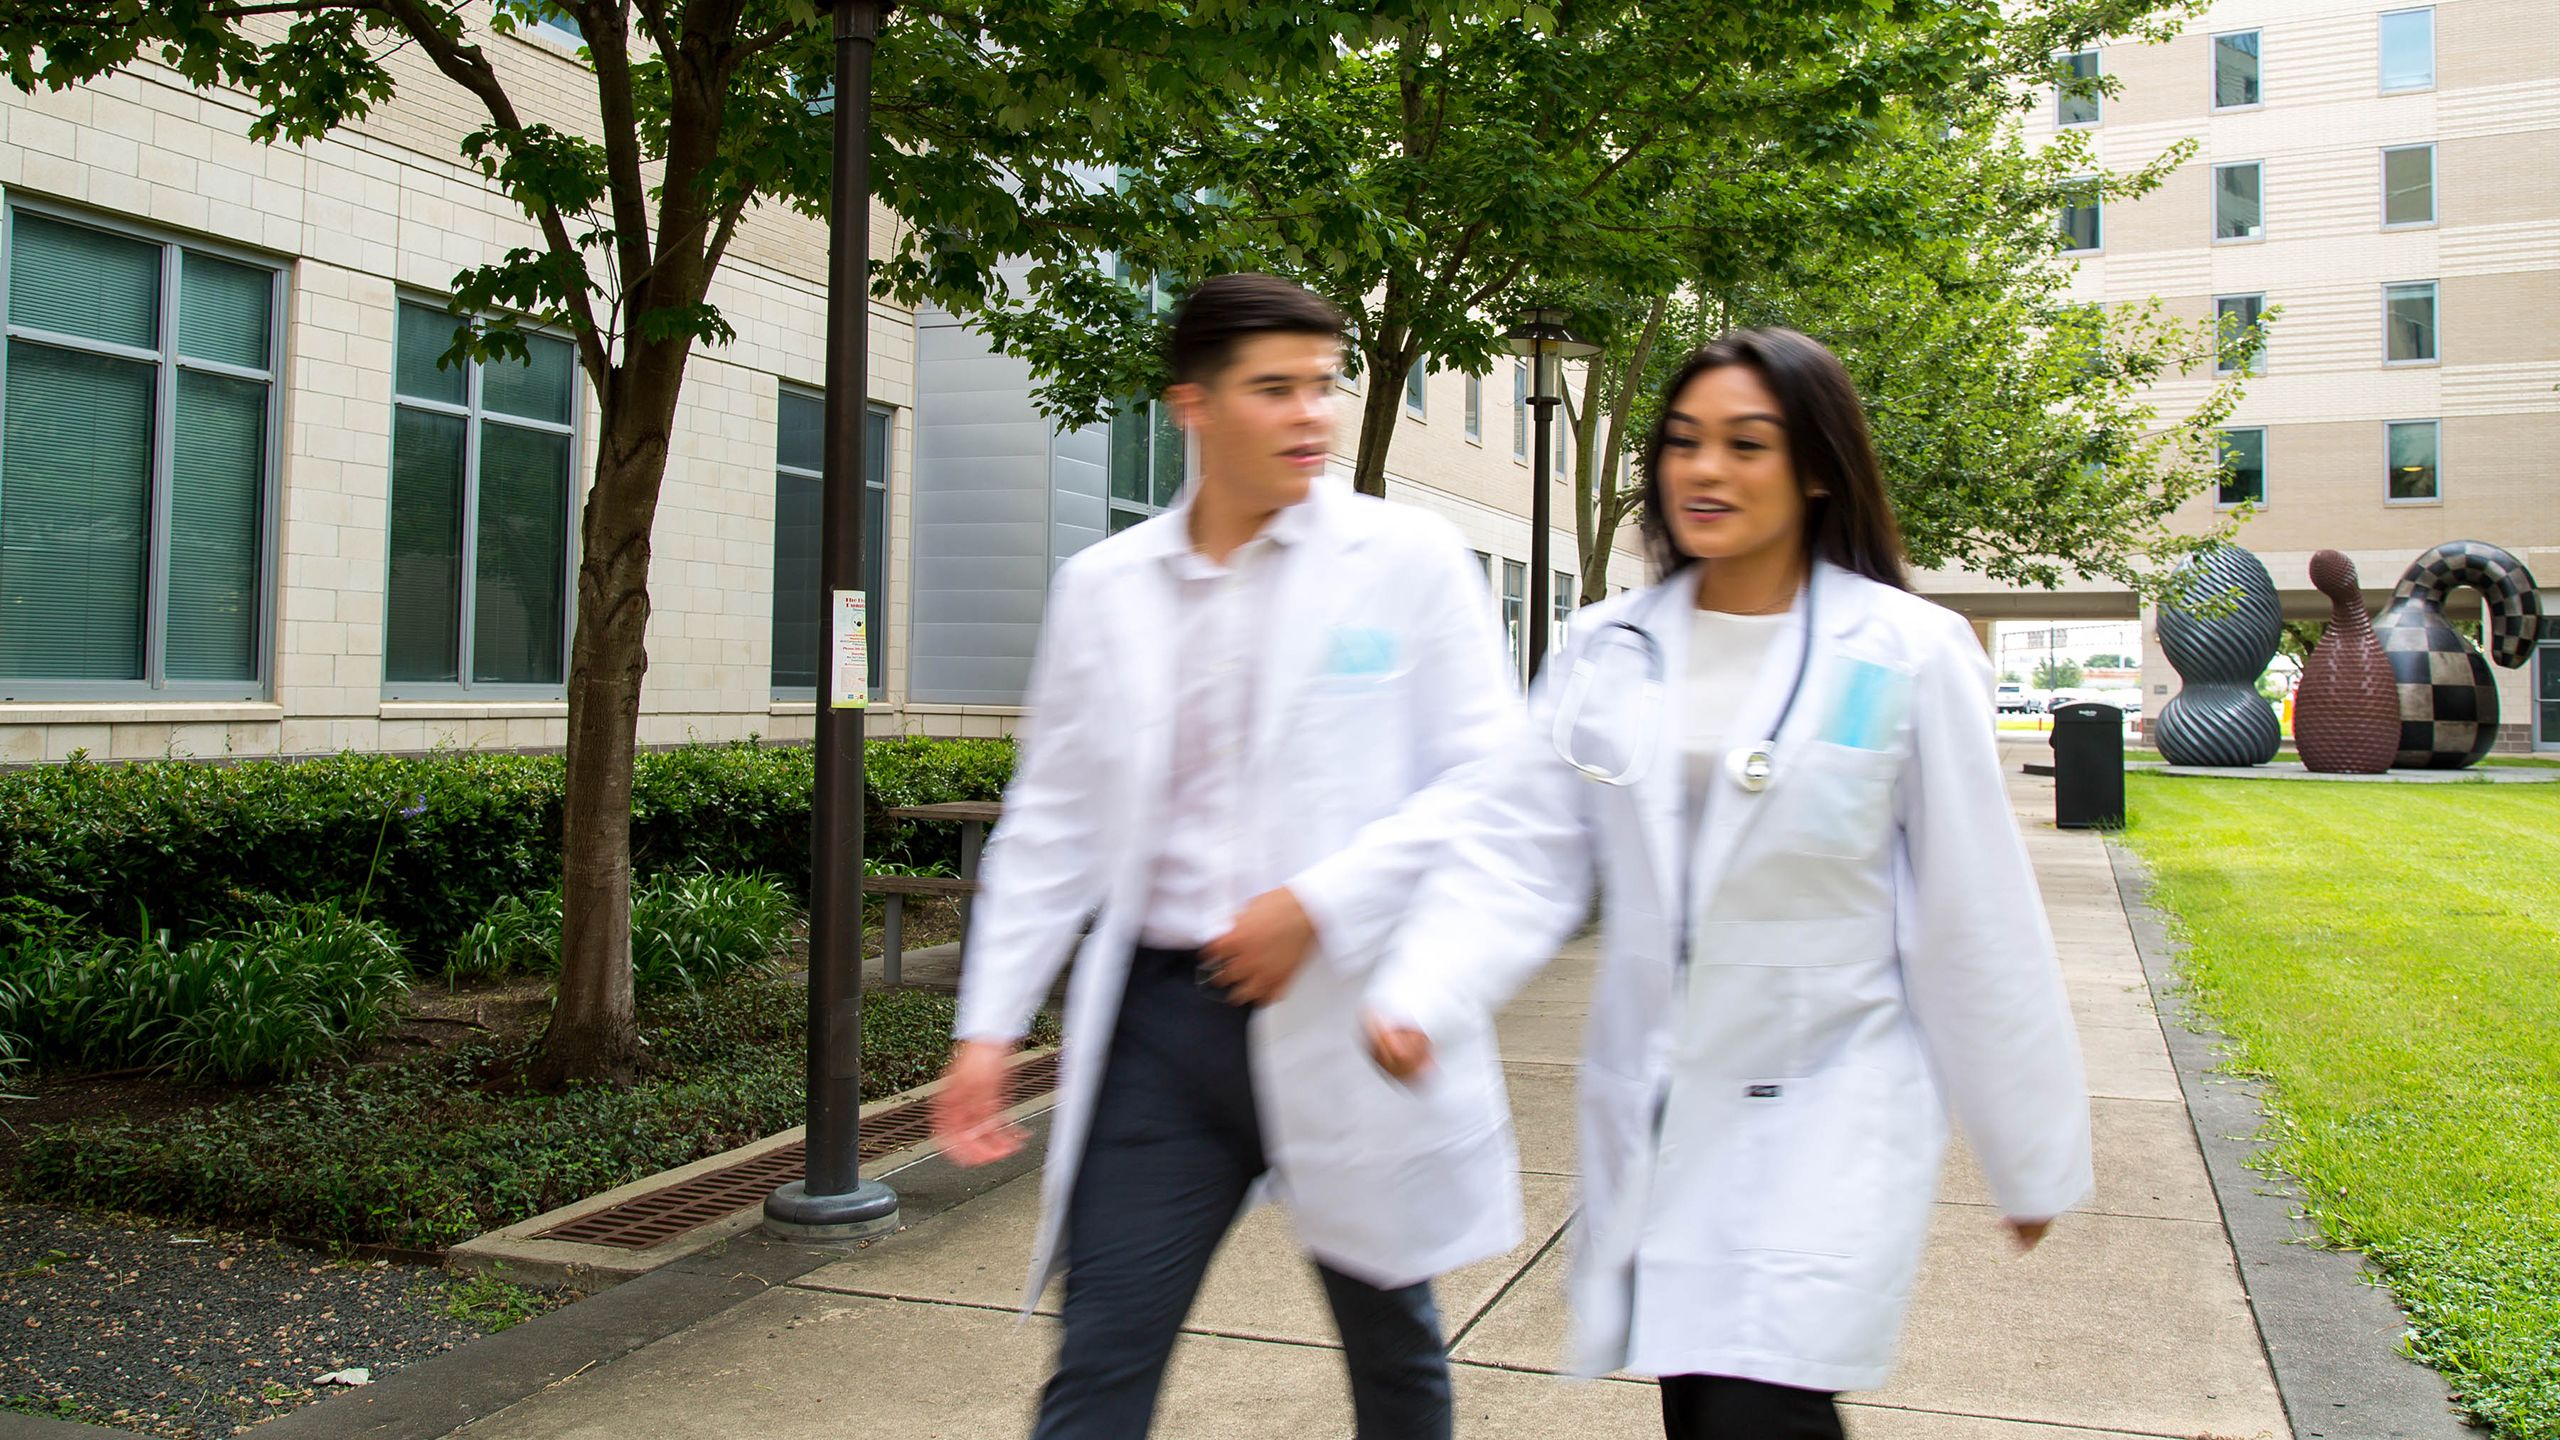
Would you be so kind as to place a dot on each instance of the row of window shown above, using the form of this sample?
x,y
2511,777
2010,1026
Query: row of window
x,y
2407,193
138,424
2408,327
1561,603
2406,40
1416,404
2411,453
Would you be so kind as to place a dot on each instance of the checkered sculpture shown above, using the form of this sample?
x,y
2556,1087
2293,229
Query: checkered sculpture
x,y
2448,698
2219,627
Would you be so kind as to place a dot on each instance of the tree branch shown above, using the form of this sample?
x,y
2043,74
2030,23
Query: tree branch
x,y
464,63
619,109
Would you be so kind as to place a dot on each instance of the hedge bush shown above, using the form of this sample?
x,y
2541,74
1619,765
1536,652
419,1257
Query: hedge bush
x,y
428,844
425,1154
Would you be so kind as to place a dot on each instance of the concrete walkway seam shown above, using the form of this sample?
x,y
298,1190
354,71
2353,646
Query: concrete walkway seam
x,y
2331,1329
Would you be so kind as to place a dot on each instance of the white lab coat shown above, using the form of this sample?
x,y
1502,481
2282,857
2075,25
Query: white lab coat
x,y
1762,1127
1380,692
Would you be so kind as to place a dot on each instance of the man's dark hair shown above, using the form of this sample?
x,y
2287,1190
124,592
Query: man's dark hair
x,y
1225,310
1849,519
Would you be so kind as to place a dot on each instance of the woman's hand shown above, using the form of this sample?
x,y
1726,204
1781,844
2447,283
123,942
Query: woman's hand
x,y
1401,1052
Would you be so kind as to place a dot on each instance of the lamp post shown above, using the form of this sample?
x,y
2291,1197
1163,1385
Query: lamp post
x,y
831,1201
1544,339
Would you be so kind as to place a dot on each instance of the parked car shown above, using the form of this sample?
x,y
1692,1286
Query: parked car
x,y
2014,700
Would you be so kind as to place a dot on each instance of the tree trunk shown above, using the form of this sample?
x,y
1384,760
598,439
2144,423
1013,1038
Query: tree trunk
x,y
1381,401
593,1035
1601,504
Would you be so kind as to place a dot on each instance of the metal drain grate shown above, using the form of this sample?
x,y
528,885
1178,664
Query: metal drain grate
x,y
662,1215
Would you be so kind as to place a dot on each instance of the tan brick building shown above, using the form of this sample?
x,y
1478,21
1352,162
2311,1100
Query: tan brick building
x,y
2387,178
242,513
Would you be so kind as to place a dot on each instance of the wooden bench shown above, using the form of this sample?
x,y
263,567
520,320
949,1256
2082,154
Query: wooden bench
x,y
893,891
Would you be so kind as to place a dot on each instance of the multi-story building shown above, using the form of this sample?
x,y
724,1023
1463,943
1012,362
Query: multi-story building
x,y
242,512
2384,179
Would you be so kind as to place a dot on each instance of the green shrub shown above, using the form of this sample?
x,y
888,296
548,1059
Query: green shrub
x,y
425,1154
430,844
687,930
519,936
270,999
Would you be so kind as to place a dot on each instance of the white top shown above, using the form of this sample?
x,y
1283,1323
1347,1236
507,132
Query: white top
x,y
1725,652
1221,628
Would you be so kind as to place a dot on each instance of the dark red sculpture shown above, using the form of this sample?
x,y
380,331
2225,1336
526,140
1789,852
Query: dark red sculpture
x,y
2346,714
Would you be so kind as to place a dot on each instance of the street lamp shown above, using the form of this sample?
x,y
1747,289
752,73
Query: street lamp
x,y
1544,339
830,1201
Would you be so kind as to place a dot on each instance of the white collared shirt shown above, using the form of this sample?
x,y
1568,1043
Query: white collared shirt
x,y
1221,636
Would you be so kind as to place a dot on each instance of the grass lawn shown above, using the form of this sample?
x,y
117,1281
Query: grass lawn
x,y
2389,958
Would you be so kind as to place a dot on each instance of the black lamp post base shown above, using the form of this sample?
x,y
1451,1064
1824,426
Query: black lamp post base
x,y
792,1213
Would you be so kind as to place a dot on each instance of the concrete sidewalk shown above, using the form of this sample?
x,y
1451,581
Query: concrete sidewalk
x,y
2129,1321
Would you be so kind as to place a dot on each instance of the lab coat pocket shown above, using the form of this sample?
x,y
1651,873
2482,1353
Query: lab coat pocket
x,y
1837,802
1812,1153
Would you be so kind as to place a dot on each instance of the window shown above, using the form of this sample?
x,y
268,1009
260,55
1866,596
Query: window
x,y
1515,615
2409,323
2080,225
1520,410
2075,100
1484,562
563,25
2409,185
1475,407
2409,455
2235,70
137,429
2408,50
2239,211
2546,694
1561,430
481,459
1146,463
2244,468
1415,381
799,490
1560,608
2235,314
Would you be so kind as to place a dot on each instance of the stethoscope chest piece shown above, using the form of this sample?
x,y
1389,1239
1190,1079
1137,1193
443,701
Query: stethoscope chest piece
x,y
1752,766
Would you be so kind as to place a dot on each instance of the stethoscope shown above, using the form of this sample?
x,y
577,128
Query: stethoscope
x,y
1751,766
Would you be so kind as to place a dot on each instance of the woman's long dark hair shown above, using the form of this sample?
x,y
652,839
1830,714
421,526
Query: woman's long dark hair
x,y
1847,520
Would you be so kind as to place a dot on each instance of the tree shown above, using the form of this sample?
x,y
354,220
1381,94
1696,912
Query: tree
x,y
1469,160
2109,660
703,111
2058,674
2011,423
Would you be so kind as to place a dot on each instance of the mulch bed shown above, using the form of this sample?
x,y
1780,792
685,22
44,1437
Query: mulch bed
x,y
185,1332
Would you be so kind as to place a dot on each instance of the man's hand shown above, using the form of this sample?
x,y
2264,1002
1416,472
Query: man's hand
x,y
968,1116
1261,953
2027,1232
1402,1053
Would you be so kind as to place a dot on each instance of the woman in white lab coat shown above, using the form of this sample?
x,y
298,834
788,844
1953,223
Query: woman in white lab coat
x,y
1820,930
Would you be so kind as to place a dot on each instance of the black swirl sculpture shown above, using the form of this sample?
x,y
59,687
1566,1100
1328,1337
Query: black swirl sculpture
x,y
2448,697
2219,627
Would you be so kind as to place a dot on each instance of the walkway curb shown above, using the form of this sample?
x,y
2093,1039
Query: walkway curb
x,y
2331,1328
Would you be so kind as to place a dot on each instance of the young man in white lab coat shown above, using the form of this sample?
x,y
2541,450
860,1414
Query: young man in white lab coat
x,y
1251,720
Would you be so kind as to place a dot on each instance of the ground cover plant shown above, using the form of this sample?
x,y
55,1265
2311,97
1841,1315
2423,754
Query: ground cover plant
x,y
424,1152
2388,958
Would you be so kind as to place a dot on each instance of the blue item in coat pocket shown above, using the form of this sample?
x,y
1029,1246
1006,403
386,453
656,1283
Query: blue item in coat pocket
x,y
1867,704
1359,651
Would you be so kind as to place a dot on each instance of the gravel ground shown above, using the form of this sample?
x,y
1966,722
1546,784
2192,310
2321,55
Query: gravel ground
x,y
191,1333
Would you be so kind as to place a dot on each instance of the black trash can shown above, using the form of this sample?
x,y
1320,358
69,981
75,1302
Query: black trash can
x,y
2088,767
